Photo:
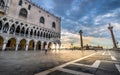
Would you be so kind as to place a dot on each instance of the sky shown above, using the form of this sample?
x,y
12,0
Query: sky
x,y
90,16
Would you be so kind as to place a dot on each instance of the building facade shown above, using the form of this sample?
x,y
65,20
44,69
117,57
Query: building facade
x,y
26,26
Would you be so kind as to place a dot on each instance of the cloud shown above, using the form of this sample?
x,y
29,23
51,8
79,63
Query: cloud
x,y
68,38
91,16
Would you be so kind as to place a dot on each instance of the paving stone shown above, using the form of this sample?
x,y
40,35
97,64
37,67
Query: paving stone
x,y
81,68
92,59
107,68
57,72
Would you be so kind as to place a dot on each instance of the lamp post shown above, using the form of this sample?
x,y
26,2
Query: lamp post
x,y
81,40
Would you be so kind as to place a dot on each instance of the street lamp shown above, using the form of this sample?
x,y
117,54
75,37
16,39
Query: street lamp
x,y
81,40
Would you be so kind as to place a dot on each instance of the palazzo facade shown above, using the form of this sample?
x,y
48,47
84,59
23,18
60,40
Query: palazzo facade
x,y
26,26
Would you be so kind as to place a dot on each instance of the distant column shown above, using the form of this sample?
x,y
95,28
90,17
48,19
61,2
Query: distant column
x,y
112,35
81,40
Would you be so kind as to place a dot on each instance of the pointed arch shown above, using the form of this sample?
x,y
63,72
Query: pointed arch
x,y
27,31
42,20
17,30
44,44
23,31
1,24
6,27
31,32
22,45
31,45
38,46
23,12
12,29
1,42
2,3
35,33
11,44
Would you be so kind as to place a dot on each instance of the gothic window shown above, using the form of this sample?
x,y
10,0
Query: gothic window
x,y
5,28
35,33
29,7
38,33
27,32
53,25
17,30
31,32
2,4
23,13
42,20
41,34
0,25
12,29
49,36
23,31
44,34
20,2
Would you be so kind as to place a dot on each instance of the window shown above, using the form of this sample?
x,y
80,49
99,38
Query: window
x,y
17,30
53,25
29,7
12,29
23,13
0,25
5,28
20,2
23,31
2,3
42,20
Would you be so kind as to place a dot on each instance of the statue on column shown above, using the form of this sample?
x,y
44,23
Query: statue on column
x,y
112,35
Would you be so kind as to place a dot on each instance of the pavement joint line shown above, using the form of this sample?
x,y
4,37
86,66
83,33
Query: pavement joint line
x,y
57,67
104,52
113,58
116,62
109,52
118,67
96,64
81,64
73,72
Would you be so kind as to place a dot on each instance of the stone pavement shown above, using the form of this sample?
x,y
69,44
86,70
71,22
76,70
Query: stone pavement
x,y
32,62
100,63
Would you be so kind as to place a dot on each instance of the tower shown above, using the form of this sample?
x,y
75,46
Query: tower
x,y
112,35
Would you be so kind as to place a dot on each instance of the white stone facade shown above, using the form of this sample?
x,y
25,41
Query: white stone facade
x,y
26,26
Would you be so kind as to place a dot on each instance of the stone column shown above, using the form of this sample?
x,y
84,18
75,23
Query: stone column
x,y
81,40
4,45
27,44
112,35
16,49
35,46
28,33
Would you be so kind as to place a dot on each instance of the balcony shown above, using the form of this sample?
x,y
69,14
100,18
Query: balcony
x,y
2,11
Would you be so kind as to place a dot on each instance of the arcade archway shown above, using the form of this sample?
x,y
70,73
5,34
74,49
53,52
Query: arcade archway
x,y
44,44
50,46
22,44
31,45
1,42
38,47
11,44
